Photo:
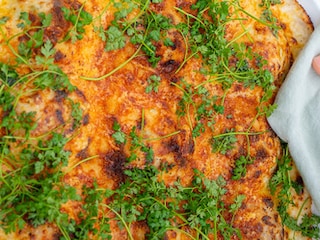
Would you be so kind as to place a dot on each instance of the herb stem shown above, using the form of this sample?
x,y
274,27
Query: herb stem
x,y
115,69
162,137
238,133
80,162
121,219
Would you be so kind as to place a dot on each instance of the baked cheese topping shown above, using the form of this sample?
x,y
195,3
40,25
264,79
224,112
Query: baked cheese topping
x,y
147,120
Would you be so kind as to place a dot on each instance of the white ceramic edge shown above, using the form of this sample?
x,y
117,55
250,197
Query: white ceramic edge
x,y
312,7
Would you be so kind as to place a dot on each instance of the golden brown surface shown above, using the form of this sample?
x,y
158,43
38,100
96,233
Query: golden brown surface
x,y
121,97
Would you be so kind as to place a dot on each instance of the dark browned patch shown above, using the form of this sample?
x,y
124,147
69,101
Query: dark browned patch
x,y
80,94
169,66
268,202
183,4
174,79
177,42
238,88
298,185
56,236
59,116
59,56
59,25
76,5
180,151
254,138
188,147
172,146
82,154
261,154
257,174
60,96
267,220
114,165
250,229
299,181
86,119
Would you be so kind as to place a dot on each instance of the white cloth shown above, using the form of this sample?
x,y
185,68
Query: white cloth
x,y
297,117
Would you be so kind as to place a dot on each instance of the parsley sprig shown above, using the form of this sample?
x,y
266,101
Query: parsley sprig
x,y
31,187
79,18
154,29
281,185
144,198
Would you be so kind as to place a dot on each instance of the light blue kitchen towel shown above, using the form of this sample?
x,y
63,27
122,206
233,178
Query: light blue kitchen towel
x,y
297,117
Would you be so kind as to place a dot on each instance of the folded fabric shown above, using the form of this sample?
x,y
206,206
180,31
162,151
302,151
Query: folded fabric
x,y
297,117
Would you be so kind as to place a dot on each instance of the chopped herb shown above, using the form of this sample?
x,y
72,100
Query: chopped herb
x,y
153,83
118,136
79,18
240,168
224,142
281,185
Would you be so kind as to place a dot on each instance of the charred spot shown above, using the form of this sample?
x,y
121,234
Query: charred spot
x,y
114,165
60,95
271,132
23,38
183,4
82,154
238,88
54,33
249,228
298,185
177,43
86,119
188,148
56,236
173,146
257,174
178,157
34,19
268,202
283,25
180,152
276,217
59,116
261,29
254,138
80,94
261,154
75,5
174,79
169,66
267,220
159,6
299,181
59,25
59,56
139,124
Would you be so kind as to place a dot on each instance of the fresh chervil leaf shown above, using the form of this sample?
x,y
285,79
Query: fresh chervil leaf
x,y
240,168
79,19
115,39
24,16
46,19
8,75
118,136
47,51
3,20
224,142
153,83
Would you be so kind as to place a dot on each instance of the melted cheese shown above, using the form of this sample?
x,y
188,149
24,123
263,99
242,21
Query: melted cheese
x,y
122,97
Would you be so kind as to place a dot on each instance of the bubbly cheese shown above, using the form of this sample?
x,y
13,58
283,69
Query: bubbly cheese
x,y
122,97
